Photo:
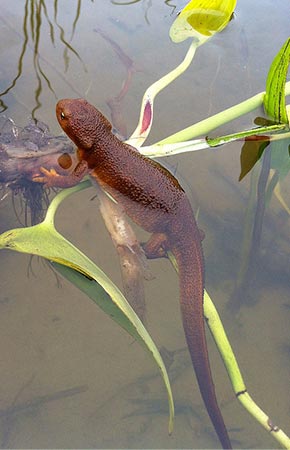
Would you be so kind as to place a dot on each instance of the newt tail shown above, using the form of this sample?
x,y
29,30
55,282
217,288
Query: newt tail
x,y
189,255
183,239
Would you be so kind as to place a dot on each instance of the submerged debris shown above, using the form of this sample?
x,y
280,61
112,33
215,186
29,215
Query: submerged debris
x,y
22,152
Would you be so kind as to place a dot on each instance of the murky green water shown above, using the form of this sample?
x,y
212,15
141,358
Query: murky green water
x,y
70,378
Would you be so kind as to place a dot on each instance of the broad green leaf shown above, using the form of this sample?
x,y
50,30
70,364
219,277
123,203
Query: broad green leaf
x,y
274,100
201,19
252,151
44,240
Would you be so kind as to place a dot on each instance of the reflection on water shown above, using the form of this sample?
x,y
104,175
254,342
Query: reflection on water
x,y
54,336
34,13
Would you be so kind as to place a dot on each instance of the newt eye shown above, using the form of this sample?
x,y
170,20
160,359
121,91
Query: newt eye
x,y
62,115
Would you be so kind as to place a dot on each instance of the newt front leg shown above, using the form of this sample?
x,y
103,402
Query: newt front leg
x,y
51,178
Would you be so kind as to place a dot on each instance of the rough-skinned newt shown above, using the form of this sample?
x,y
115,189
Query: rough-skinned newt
x,y
154,200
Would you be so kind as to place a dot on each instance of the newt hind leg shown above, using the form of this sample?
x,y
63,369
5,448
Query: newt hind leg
x,y
156,246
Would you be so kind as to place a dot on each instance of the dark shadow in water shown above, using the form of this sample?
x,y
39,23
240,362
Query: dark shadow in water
x,y
35,12
260,261
9,415
147,3
115,103
244,291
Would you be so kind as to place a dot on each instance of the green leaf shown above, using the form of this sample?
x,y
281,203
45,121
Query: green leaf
x,y
44,240
252,151
274,100
201,19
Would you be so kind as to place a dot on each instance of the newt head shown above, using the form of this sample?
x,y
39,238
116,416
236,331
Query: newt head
x,y
82,122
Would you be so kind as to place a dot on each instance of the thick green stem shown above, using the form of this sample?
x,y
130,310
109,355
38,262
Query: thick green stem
x,y
239,387
219,335
140,134
205,126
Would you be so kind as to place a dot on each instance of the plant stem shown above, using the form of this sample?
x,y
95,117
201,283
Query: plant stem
x,y
56,201
139,135
239,387
224,347
205,126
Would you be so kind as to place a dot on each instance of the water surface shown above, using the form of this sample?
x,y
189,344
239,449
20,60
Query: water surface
x,y
70,378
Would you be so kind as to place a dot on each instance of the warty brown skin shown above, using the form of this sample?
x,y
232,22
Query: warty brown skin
x,y
153,199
